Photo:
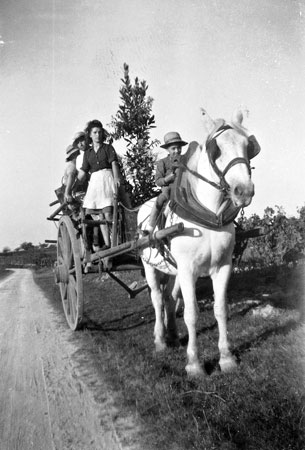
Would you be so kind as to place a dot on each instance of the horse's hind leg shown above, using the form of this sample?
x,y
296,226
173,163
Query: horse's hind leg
x,y
153,278
220,280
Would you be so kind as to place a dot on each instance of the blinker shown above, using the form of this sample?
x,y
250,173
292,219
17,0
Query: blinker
x,y
253,148
213,150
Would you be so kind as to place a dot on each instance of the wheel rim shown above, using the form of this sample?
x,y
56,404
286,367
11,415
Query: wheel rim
x,y
70,282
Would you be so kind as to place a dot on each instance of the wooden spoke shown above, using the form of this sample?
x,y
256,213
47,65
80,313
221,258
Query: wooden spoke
x,y
72,297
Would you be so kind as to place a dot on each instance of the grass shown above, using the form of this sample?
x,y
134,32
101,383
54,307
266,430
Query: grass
x,y
260,406
4,273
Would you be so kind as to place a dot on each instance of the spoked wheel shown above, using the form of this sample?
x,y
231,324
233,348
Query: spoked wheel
x,y
68,272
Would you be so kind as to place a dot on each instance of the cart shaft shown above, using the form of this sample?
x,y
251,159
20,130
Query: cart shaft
x,y
139,244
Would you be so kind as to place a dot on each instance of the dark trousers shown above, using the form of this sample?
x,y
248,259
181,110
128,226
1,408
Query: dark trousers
x,y
158,205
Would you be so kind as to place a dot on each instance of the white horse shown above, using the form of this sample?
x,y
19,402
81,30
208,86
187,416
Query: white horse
x,y
217,177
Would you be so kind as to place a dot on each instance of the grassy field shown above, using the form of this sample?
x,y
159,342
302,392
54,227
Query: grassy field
x,y
260,406
4,273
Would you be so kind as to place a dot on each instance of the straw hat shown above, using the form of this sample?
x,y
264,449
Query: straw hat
x,y
71,151
172,138
81,135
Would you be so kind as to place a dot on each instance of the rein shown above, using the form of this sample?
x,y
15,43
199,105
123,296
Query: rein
x,y
197,175
222,185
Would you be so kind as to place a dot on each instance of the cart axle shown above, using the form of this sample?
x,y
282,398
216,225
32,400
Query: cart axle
x,y
61,273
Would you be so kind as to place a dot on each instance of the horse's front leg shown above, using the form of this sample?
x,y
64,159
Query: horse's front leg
x,y
171,295
220,280
187,283
156,294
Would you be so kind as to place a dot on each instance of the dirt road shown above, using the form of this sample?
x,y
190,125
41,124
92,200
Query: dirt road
x,y
43,403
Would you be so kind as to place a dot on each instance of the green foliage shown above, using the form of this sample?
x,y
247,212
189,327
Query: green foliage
x,y
32,255
26,245
284,243
133,122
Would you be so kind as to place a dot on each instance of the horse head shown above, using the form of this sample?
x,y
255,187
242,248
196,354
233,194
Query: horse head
x,y
228,153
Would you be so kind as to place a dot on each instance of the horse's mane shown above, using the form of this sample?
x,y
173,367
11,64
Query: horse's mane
x,y
191,149
190,157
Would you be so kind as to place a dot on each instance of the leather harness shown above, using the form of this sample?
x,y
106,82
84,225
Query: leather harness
x,y
186,205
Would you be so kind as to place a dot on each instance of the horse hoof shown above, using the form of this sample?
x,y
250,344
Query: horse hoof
x,y
195,371
228,364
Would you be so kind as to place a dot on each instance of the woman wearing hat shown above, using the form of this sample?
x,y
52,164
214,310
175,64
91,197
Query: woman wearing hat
x,y
101,161
72,153
165,174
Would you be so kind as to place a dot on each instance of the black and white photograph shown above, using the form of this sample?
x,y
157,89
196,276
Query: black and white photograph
x,y
152,229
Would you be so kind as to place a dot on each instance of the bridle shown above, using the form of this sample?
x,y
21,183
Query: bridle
x,y
212,148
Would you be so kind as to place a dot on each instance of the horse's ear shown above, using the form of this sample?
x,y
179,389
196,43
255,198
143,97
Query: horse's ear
x,y
253,148
208,122
239,115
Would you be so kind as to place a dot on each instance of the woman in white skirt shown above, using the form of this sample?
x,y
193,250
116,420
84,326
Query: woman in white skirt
x,y
101,161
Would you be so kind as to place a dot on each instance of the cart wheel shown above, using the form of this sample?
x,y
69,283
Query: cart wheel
x,y
68,272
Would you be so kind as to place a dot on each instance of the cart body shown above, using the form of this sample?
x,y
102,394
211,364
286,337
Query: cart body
x,y
75,251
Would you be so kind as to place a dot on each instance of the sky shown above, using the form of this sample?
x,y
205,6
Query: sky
x,y
61,64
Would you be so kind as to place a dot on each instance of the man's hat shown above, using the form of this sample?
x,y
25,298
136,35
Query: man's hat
x,y
81,135
71,151
172,138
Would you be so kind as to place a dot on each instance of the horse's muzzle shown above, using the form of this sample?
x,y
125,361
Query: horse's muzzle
x,y
242,194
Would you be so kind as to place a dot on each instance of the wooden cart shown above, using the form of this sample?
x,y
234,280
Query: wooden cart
x,y
74,249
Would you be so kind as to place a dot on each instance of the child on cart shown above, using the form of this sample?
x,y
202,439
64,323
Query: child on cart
x,y
165,174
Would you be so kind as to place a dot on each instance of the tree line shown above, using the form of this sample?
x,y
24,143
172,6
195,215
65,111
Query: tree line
x,y
25,246
41,255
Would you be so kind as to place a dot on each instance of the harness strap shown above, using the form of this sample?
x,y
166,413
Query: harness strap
x,y
220,128
201,177
239,160
235,161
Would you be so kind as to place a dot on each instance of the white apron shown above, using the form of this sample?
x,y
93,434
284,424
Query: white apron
x,y
100,190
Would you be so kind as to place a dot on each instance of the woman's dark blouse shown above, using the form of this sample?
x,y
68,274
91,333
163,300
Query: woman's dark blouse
x,y
102,159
